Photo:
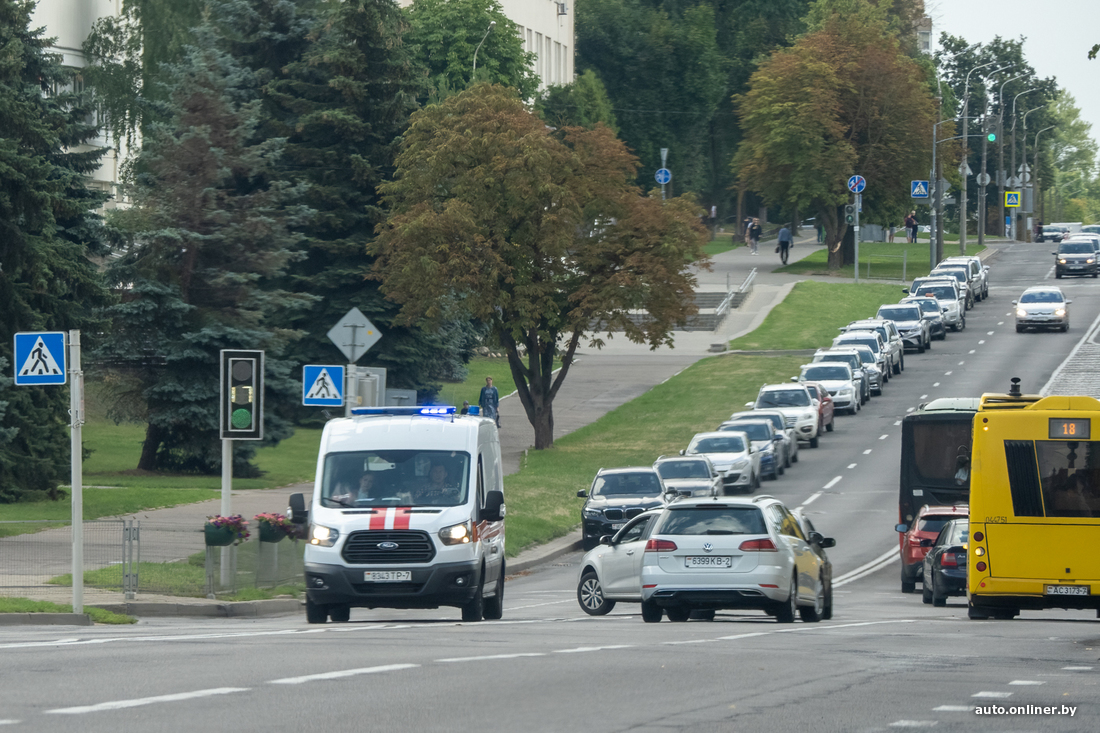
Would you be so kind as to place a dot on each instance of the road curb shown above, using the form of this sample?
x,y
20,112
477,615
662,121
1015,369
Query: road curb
x,y
228,609
45,619
542,554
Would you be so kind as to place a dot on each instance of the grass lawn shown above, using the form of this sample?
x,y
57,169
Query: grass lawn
x,y
802,320
885,261
481,367
722,242
25,605
542,497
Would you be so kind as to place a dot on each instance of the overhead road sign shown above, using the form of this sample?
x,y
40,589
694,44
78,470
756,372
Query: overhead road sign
x,y
918,189
663,176
323,385
354,334
40,358
1012,198
856,184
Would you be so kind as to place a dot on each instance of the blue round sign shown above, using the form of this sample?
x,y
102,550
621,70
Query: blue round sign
x,y
663,176
856,184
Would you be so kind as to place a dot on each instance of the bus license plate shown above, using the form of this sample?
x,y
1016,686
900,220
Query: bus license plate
x,y
1067,590
387,576
708,561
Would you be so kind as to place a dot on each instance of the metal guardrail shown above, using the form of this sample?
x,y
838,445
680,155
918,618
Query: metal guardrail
x,y
740,294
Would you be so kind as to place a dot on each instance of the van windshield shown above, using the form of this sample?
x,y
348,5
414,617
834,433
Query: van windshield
x,y
395,478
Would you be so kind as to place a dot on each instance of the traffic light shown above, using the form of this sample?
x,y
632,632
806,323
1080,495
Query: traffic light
x,y
991,137
850,213
242,395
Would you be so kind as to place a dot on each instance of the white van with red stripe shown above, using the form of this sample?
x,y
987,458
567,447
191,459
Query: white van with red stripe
x,y
407,511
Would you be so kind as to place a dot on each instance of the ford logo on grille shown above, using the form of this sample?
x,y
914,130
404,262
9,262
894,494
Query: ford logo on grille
x,y
387,545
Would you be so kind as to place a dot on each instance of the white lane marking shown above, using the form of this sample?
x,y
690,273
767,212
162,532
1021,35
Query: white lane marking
x,y
689,641
910,409
1045,391
937,384
580,649
137,702
867,451
914,724
897,422
882,559
339,674
883,437
953,709
832,483
1000,323
10,722
1077,668
493,656
980,342
947,374
990,333
744,636
173,637
1026,682
810,500
961,363
852,465
972,351
536,605
993,695
924,396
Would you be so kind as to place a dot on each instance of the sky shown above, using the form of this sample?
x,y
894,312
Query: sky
x,y
1058,35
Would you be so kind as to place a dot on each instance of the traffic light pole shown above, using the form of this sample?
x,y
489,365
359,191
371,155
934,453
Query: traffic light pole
x,y
226,510
76,412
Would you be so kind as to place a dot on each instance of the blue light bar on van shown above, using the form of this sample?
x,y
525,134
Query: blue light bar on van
x,y
410,410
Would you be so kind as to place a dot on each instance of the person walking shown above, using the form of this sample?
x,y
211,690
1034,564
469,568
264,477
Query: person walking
x,y
785,243
911,227
755,232
489,401
893,230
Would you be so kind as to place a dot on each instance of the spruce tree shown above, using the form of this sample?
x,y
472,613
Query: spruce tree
x,y
48,231
206,239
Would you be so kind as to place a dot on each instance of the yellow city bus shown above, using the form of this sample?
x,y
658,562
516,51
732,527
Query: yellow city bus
x,y
1034,505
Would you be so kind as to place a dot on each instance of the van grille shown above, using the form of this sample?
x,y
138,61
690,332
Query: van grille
x,y
412,547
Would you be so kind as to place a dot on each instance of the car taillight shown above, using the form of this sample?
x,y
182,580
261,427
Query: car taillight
x,y
758,546
948,560
660,546
980,567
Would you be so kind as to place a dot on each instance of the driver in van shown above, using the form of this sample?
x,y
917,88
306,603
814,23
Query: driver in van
x,y
437,487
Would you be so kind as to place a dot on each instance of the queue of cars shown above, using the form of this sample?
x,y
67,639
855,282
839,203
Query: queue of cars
x,y
675,537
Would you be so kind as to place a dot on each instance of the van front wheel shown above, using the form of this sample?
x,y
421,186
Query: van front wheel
x,y
315,612
474,610
494,607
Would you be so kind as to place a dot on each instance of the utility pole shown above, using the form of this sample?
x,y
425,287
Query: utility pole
x,y
966,152
983,177
1027,173
1001,150
1035,173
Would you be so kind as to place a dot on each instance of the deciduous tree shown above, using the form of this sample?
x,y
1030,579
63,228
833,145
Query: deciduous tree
x,y
539,233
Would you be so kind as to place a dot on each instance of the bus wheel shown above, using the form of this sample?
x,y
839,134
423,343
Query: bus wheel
x,y
976,612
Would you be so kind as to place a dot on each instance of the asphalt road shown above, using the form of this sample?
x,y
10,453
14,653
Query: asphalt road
x,y
884,661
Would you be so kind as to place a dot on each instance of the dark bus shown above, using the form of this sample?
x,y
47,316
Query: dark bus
x,y
935,455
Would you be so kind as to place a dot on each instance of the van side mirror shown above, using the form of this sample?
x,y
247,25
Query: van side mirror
x,y
901,528
582,494
494,510
296,511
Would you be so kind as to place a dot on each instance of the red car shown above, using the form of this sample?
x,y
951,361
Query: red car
x,y
926,526
824,405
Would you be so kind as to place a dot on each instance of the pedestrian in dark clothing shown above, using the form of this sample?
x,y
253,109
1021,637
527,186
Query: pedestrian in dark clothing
x,y
785,243
754,234
911,227
489,401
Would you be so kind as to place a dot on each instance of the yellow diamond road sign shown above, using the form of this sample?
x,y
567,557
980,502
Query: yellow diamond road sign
x,y
1012,198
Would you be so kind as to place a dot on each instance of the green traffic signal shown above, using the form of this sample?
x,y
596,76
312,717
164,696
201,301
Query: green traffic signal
x,y
991,137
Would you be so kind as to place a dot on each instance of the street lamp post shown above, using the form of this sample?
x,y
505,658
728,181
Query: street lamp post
x,y
1029,174
491,24
985,147
966,155
1035,166
935,243
1001,150
1014,232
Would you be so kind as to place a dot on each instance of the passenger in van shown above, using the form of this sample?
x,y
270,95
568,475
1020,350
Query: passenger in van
x,y
438,487
364,491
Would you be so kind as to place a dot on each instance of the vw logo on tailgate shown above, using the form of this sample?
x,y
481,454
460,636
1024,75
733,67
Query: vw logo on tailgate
x,y
387,545
707,547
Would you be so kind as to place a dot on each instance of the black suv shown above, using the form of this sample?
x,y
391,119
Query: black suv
x,y
1075,258
617,495
1050,234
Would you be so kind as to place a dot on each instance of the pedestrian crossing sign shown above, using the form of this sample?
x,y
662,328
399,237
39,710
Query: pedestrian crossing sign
x,y
918,189
1012,198
323,385
40,358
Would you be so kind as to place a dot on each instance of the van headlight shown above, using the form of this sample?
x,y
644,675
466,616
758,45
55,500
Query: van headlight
x,y
457,534
323,536
1061,261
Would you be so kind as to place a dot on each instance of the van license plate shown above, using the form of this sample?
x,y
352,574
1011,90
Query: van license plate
x,y
708,561
387,576
1067,590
